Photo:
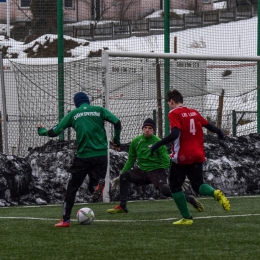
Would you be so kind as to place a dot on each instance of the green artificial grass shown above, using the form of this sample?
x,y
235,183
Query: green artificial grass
x,y
146,232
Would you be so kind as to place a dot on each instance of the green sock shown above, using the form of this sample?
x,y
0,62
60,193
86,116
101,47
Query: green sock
x,y
207,190
181,203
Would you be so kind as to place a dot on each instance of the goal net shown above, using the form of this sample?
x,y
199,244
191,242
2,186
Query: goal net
x,y
132,86
223,89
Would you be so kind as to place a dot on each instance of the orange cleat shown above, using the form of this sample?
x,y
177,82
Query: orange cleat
x,y
63,223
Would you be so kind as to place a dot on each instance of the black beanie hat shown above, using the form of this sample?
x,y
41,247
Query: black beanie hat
x,y
80,98
149,122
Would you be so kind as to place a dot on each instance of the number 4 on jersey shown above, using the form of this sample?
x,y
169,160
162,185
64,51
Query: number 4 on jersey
x,y
192,126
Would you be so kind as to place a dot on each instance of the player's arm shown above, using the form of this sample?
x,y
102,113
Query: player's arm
x,y
174,134
44,132
216,130
111,118
56,130
117,132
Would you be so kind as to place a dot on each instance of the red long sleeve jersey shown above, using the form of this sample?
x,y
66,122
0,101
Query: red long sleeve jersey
x,y
189,147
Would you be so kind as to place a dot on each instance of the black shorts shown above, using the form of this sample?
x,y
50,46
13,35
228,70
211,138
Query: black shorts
x,y
157,177
95,168
178,173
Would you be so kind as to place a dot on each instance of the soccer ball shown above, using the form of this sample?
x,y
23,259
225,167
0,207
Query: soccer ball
x,y
85,216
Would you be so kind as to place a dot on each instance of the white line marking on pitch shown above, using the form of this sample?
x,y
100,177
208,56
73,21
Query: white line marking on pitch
x,y
131,201
143,220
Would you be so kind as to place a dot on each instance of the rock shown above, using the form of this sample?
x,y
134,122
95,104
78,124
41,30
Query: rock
x,y
232,165
39,201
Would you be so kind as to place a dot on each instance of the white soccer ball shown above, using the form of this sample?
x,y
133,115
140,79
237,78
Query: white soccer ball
x,y
85,216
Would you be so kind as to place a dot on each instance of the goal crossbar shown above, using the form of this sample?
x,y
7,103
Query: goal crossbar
x,y
179,56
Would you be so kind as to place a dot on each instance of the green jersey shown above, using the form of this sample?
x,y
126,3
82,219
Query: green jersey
x,y
88,122
140,150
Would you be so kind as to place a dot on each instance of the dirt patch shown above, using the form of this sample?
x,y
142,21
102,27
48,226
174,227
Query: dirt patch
x,y
173,15
4,50
50,49
97,53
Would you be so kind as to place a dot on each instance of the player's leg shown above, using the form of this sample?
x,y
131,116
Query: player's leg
x,y
136,176
159,178
198,185
176,180
78,174
97,175
125,178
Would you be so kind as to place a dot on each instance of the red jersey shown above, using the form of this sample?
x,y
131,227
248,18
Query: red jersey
x,y
188,148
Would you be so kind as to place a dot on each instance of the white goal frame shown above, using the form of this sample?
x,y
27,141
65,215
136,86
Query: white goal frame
x,y
106,87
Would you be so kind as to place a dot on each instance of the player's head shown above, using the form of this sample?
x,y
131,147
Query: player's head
x,y
174,98
149,127
175,95
81,98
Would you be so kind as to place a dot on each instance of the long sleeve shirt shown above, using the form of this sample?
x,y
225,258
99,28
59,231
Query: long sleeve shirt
x,y
140,151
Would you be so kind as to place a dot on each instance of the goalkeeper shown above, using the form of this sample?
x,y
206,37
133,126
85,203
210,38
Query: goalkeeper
x,y
151,169
92,149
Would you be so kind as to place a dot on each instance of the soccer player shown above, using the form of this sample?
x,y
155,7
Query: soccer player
x,y
92,149
151,169
188,154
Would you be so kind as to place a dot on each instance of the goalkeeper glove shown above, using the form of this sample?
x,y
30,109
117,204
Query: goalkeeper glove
x,y
115,183
186,185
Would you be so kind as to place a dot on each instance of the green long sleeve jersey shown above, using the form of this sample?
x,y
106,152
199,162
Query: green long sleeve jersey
x,y
88,122
140,150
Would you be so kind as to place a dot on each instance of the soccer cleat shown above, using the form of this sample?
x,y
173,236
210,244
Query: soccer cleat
x,y
63,223
99,190
183,221
196,204
223,201
117,209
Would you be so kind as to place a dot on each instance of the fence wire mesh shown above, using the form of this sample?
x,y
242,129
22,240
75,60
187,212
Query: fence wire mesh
x,y
99,22
224,92
30,45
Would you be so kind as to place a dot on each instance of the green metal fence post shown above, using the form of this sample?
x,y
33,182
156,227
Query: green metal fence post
x,y
166,62
60,62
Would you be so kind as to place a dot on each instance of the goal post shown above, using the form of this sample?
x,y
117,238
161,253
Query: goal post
x,y
105,103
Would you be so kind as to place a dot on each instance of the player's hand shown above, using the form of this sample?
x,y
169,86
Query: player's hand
x,y
221,135
115,183
39,126
116,146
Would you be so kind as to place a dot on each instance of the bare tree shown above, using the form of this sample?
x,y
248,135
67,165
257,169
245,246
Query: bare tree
x,y
17,3
100,8
193,5
44,16
124,6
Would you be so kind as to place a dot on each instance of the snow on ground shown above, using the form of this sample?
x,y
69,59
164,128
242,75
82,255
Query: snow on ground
x,y
233,38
